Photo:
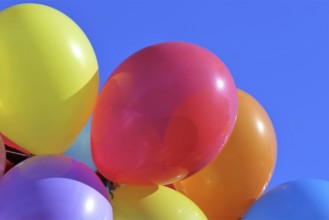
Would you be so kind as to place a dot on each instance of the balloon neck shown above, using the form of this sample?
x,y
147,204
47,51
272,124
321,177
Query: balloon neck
x,y
16,156
110,185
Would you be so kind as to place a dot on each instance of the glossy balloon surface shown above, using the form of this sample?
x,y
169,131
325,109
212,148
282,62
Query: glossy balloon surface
x,y
164,114
153,202
237,177
49,166
300,199
53,199
49,78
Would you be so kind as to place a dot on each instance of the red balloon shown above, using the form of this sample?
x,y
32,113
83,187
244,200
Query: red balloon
x,y
10,143
171,186
163,115
8,166
2,157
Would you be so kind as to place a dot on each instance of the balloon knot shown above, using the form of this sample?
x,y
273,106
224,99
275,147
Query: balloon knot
x,y
110,185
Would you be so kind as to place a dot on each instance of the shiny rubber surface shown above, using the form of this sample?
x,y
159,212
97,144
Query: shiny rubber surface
x,y
164,114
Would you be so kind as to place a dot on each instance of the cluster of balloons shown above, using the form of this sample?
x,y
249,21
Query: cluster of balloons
x,y
170,114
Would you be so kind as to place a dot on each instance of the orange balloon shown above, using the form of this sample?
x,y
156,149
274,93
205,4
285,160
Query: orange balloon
x,y
229,185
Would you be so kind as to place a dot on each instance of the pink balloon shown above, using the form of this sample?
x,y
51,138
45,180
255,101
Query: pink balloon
x,y
164,114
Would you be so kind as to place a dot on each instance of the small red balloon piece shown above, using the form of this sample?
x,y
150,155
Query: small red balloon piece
x,y
163,115
2,157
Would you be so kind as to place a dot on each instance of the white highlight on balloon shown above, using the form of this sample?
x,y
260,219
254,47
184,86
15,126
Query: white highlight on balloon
x,y
76,51
220,84
260,126
90,205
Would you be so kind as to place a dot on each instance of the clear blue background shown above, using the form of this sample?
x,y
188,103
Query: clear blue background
x,y
278,51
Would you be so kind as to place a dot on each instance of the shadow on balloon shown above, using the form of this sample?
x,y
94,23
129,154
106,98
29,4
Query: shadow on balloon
x,y
153,202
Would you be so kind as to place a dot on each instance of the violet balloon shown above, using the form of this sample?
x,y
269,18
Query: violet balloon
x,y
53,199
48,166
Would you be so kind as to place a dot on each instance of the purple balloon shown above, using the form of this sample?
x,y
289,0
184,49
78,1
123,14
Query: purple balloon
x,y
53,199
48,166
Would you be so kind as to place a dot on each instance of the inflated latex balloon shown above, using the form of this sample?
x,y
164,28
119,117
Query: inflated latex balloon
x,y
8,165
49,78
172,186
48,166
10,143
153,202
53,199
80,150
2,157
302,199
164,113
237,177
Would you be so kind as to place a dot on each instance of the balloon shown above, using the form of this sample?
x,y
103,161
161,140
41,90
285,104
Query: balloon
x,y
10,143
80,150
172,186
301,199
237,177
153,202
14,153
53,199
49,78
8,166
47,166
2,157
164,114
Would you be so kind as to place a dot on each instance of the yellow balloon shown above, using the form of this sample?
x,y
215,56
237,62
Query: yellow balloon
x,y
153,202
48,76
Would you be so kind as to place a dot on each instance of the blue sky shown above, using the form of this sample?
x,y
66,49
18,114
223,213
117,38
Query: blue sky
x,y
278,51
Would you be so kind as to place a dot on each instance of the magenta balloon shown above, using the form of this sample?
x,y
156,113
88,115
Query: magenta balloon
x,y
53,199
47,166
